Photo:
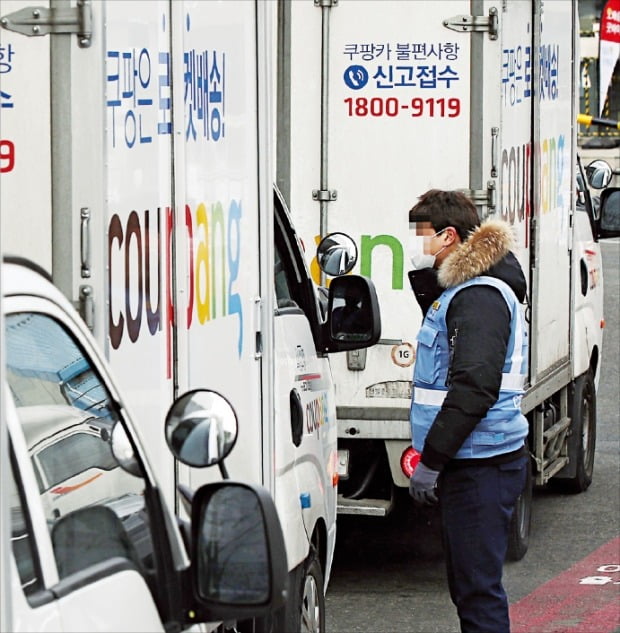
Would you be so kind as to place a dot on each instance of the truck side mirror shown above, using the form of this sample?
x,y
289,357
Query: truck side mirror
x,y
239,566
336,254
201,428
353,317
609,213
599,174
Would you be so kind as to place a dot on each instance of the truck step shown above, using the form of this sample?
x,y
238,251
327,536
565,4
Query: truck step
x,y
370,507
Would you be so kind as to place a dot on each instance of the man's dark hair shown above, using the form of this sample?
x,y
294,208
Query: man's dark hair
x,y
446,208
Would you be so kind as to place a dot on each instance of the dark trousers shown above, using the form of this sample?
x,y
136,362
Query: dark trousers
x,y
477,503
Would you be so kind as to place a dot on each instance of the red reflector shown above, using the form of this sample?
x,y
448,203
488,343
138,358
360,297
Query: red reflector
x,y
409,460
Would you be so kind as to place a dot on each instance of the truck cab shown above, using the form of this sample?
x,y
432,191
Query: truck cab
x,y
89,542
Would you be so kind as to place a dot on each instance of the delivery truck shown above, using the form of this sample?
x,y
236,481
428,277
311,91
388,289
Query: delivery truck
x,y
138,168
380,102
88,541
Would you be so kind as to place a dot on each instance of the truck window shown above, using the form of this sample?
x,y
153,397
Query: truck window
x,y
283,290
293,284
94,509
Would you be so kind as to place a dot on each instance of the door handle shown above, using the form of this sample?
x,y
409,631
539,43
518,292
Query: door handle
x,y
297,417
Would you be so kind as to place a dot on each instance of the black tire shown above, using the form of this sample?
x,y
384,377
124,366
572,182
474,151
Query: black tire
x,y
519,534
306,609
312,612
582,440
304,612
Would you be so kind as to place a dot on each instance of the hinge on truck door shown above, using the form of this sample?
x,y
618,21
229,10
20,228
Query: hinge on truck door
x,y
258,337
34,21
486,196
86,306
471,23
324,195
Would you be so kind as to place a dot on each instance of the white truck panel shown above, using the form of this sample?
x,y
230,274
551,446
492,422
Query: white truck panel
x,y
515,130
555,191
380,100
221,198
138,188
550,144
23,134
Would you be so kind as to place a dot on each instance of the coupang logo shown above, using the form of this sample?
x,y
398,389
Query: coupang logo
x,y
139,303
516,178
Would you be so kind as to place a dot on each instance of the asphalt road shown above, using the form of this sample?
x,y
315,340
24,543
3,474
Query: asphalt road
x,y
388,574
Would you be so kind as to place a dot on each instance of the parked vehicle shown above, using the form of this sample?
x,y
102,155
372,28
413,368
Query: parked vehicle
x,y
381,101
89,542
138,168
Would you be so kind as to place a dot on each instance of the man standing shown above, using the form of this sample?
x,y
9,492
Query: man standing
x,y
469,376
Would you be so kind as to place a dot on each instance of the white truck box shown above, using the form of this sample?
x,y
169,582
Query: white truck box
x,y
141,176
381,101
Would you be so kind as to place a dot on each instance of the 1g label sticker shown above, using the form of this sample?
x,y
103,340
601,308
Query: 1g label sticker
x,y
403,355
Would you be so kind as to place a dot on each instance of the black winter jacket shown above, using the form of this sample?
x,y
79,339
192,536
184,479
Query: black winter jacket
x,y
478,323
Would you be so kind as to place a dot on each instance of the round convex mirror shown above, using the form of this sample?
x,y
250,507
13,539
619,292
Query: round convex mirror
x,y
336,254
599,174
201,428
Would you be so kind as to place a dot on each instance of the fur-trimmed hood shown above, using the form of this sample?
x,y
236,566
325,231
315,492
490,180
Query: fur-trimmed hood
x,y
486,251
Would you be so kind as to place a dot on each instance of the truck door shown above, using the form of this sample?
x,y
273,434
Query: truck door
x,y
553,177
305,434
220,224
139,307
25,148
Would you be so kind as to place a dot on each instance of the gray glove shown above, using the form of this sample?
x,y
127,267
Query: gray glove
x,y
422,485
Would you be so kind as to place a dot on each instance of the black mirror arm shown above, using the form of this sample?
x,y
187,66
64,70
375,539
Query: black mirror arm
x,y
223,470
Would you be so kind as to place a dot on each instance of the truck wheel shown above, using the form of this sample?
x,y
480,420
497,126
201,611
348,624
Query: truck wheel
x,y
312,611
304,612
582,440
519,535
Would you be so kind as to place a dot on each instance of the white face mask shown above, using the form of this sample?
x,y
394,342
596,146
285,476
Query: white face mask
x,y
420,259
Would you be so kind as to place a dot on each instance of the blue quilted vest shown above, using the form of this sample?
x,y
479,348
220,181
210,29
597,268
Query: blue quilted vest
x,y
504,428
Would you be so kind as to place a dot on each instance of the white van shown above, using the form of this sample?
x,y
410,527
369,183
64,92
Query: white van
x,y
87,541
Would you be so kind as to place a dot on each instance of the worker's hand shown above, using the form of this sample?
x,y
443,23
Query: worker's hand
x,y
422,485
